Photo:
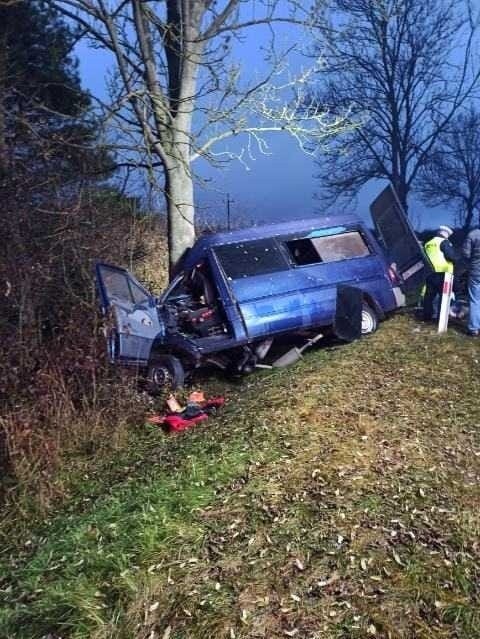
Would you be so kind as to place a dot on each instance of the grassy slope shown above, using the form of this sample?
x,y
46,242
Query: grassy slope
x,y
338,498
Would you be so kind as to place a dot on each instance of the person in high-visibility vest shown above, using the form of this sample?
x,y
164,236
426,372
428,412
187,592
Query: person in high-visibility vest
x,y
442,257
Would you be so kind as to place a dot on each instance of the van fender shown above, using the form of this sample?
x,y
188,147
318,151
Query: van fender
x,y
189,356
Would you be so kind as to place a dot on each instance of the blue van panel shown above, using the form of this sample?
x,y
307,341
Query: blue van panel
x,y
306,296
299,296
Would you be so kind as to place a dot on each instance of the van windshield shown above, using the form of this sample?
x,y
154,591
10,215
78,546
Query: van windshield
x,y
329,248
256,257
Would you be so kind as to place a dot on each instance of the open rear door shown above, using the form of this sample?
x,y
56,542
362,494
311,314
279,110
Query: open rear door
x,y
133,311
402,248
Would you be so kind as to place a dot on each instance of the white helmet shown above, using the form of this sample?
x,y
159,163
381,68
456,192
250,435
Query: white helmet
x,y
444,231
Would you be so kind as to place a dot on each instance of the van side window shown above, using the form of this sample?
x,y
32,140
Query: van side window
x,y
257,257
329,248
116,284
303,252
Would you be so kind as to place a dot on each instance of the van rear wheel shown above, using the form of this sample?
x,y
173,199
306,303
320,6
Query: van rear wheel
x,y
164,373
369,319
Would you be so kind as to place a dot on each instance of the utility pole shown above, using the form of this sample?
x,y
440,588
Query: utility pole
x,y
229,201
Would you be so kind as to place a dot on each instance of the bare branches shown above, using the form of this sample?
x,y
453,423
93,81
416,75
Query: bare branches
x,y
219,20
400,69
178,95
452,173
275,107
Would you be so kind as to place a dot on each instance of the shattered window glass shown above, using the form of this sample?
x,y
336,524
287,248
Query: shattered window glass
x,y
329,248
341,247
303,252
177,289
257,257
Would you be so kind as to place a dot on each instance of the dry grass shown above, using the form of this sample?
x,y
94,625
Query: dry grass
x,y
57,396
336,499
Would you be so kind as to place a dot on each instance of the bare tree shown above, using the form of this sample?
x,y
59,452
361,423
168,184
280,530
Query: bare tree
x,y
400,70
177,94
452,173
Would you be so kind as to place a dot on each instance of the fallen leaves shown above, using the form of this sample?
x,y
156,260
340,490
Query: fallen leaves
x,y
299,565
397,559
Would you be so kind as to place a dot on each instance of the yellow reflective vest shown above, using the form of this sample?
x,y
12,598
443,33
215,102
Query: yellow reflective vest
x,y
435,255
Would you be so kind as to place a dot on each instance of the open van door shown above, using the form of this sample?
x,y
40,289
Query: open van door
x,y
402,248
133,311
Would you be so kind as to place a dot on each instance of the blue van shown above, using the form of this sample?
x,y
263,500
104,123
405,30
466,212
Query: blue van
x,y
235,292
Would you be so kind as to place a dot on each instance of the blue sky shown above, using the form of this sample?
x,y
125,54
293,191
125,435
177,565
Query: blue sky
x,y
278,186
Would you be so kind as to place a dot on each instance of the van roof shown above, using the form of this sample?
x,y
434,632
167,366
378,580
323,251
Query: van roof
x,y
267,230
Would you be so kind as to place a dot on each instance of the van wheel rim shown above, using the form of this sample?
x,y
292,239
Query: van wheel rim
x,y
161,376
368,323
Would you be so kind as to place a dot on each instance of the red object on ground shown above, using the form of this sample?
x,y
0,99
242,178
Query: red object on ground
x,y
176,422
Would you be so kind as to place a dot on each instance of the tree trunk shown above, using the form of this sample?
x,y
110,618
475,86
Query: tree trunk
x,y
468,216
180,210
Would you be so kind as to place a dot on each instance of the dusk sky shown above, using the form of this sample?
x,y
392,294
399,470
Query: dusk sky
x,y
278,186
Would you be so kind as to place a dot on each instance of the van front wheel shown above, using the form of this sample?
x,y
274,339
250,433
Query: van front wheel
x,y
164,373
369,319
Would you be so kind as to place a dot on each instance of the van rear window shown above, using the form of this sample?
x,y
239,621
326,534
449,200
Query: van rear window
x,y
329,248
245,259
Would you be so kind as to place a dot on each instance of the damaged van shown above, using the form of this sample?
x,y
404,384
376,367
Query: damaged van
x,y
235,293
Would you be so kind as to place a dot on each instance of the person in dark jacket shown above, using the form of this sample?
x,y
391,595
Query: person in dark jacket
x,y
471,252
442,257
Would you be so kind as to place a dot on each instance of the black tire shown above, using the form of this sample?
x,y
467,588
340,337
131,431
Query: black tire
x,y
164,373
369,319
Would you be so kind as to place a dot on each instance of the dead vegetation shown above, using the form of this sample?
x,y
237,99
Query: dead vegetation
x,y
56,392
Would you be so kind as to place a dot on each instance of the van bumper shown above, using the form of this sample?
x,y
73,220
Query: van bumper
x,y
399,296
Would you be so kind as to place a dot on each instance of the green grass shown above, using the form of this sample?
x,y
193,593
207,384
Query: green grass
x,y
336,498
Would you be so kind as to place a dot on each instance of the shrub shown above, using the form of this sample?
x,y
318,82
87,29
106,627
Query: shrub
x,y
55,385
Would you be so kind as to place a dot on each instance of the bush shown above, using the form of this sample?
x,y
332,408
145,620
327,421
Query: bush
x,y
56,387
